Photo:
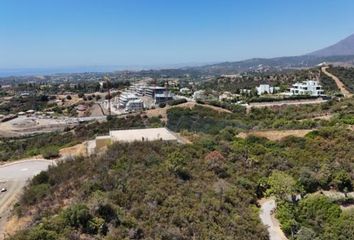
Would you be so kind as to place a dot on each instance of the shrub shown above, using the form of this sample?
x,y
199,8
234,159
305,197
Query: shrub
x,y
41,178
77,216
35,193
162,105
177,101
51,152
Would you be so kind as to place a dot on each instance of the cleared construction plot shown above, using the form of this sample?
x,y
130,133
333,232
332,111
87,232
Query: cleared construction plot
x,y
132,135
29,125
149,134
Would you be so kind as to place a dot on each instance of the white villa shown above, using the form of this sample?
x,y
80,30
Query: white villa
x,y
185,90
266,89
309,87
199,95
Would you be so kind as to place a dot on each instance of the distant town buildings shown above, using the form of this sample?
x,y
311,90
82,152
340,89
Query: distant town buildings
x,y
199,95
134,105
185,91
125,97
154,90
227,96
245,91
309,87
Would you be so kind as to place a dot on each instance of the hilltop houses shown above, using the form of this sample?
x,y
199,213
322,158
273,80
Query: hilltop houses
x,y
309,87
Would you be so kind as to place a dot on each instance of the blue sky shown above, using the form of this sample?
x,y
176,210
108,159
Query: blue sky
x,y
58,33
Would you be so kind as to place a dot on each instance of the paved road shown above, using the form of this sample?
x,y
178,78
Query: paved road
x,y
267,207
14,176
339,83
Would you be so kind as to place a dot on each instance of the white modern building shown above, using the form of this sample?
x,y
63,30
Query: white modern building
x,y
125,97
199,95
309,87
265,89
153,90
134,105
185,90
163,97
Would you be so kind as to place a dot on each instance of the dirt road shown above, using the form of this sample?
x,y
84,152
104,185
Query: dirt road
x,y
266,214
286,102
339,83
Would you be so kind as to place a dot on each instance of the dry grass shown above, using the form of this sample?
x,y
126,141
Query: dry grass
x,y
77,150
15,224
275,135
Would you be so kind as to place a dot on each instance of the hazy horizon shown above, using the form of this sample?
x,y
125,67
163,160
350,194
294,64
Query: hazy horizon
x,y
101,34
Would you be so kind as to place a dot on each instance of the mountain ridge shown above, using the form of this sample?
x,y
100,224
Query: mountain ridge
x,y
342,48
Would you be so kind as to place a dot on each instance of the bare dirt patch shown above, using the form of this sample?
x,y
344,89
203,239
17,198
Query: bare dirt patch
x,y
77,150
275,135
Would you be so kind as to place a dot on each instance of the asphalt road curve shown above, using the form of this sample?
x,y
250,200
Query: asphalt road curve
x,y
13,177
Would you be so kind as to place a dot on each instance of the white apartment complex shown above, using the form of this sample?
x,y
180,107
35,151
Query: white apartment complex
x,y
134,105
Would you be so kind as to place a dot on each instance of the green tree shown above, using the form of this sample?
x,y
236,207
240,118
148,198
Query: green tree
x,y
342,181
282,186
316,211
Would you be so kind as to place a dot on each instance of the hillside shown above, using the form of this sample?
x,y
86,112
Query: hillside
x,y
339,53
204,190
344,47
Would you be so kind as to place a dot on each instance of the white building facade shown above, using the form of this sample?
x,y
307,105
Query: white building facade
x,y
265,89
309,87
134,105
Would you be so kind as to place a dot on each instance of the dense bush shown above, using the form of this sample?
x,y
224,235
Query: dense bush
x,y
50,152
176,102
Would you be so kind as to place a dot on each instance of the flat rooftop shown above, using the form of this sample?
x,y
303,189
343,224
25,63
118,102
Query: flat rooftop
x,y
147,134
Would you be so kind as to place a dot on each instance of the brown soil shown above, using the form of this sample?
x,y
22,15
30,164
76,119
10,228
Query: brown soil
x,y
339,83
275,135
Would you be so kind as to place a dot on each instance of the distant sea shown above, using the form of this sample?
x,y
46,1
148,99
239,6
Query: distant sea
x,y
109,68
51,71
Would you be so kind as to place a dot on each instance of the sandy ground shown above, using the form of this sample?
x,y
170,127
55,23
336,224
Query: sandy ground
x,y
77,150
288,102
275,135
268,219
95,110
321,117
339,83
24,125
